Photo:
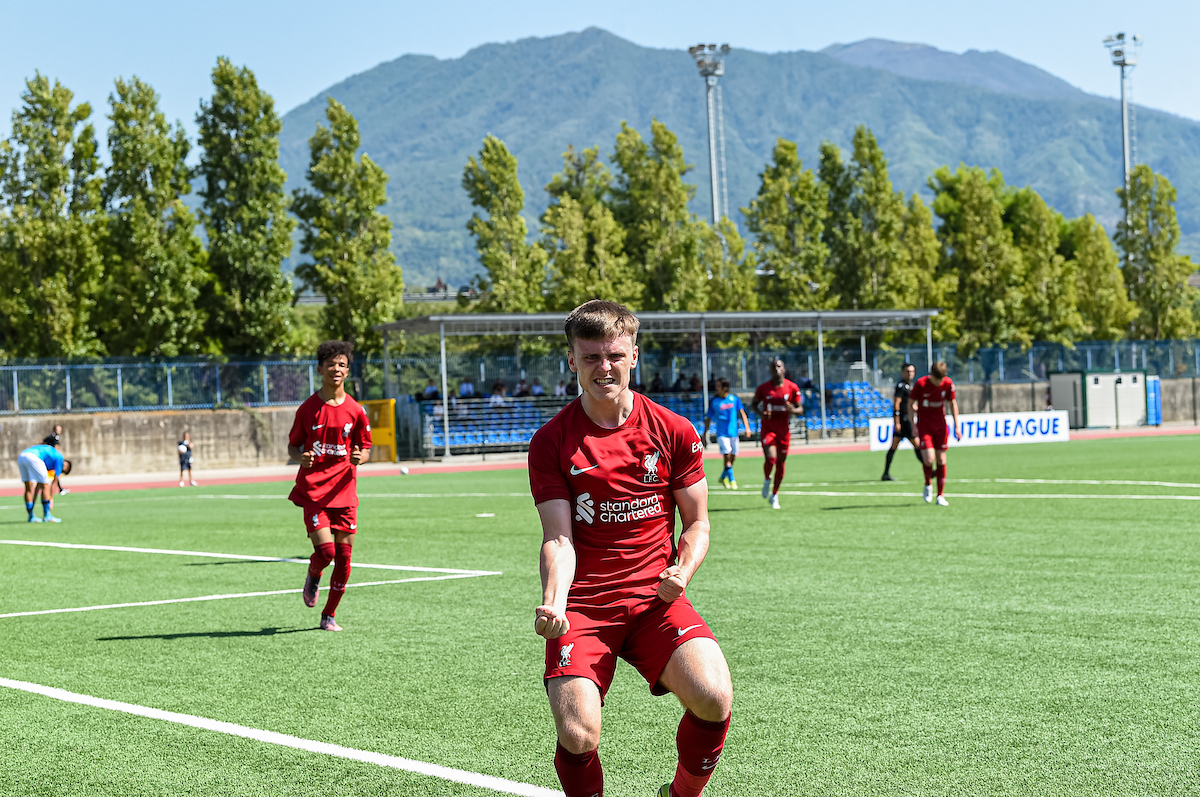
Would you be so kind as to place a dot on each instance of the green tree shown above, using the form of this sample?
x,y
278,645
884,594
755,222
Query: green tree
x,y
979,250
734,283
51,227
583,241
154,261
1101,295
1049,312
787,218
245,215
515,269
918,280
650,201
346,236
863,228
1155,273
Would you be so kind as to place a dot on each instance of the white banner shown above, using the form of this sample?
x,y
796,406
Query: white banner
x,y
988,429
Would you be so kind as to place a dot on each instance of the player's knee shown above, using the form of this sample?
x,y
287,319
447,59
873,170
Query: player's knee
x,y
579,735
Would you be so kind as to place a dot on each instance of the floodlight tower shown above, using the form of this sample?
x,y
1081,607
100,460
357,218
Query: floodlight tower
x,y
1124,52
710,60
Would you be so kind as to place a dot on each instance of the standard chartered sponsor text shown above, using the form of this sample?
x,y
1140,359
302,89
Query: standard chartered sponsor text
x,y
630,509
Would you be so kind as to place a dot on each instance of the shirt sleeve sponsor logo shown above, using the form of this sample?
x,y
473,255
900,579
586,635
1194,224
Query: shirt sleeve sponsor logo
x,y
696,446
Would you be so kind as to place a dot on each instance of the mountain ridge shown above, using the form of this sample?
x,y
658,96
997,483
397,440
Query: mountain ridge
x,y
421,117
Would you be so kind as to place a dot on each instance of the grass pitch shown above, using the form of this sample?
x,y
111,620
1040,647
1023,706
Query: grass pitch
x,y
1040,638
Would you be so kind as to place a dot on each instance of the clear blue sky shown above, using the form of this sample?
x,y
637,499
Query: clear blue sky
x,y
299,47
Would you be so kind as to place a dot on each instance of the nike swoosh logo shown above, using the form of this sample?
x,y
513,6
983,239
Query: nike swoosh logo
x,y
318,426
575,471
683,631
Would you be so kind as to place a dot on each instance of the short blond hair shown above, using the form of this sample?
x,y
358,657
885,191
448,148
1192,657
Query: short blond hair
x,y
600,320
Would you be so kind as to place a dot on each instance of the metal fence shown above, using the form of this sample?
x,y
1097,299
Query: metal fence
x,y
116,385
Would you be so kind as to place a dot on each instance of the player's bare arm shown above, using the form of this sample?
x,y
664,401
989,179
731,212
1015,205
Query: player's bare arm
x,y
360,455
896,411
745,424
796,407
557,568
693,542
305,458
954,414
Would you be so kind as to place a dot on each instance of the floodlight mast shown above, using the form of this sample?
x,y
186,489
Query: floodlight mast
x,y
710,60
1124,51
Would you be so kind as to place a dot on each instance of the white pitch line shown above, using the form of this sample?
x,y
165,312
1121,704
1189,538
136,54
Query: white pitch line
x,y
1082,481
864,494
295,742
239,556
246,497
238,595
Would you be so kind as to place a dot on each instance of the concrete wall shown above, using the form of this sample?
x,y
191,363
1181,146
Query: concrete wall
x,y
143,442
1179,400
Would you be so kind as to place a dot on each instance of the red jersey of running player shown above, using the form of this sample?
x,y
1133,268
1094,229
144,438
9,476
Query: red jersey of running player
x,y
778,400
328,491
933,401
620,484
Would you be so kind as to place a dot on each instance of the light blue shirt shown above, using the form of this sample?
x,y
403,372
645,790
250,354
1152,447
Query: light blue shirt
x,y
723,412
49,455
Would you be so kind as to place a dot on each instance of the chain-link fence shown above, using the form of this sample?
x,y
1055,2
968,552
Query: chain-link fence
x,y
52,387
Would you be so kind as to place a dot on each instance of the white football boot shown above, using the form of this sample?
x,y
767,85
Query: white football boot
x,y
774,502
941,501
929,493
767,489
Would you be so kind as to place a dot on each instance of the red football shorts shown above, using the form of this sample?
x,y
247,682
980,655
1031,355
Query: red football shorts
x,y
937,438
644,632
336,518
777,437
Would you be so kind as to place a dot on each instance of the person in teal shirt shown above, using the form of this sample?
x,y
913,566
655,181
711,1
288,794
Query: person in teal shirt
x,y
40,465
724,411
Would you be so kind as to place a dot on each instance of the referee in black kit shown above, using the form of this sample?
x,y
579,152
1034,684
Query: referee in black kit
x,y
901,423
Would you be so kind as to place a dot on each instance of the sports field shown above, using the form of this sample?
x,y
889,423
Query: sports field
x,y
1035,637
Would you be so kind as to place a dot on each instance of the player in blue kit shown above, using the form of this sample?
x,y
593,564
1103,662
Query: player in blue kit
x,y
724,410
40,466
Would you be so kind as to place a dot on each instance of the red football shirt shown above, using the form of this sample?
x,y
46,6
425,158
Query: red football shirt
x,y
778,399
331,433
619,482
932,402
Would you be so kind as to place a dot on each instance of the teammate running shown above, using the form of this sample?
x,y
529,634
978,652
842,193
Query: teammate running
x,y
930,395
724,409
607,474
40,466
330,437
776,401
902,425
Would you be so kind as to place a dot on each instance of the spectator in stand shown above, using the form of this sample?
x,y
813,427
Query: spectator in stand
x,y
499,395
466,388
536,389
656,384
561,388
522,390
680,385
573,387
694,384
431,392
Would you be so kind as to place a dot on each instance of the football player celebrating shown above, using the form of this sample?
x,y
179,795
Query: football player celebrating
x,y
776,401
930,397
607,475
330,438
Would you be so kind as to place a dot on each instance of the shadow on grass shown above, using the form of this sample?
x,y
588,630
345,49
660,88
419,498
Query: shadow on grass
x,y
247,561
210,634
909,505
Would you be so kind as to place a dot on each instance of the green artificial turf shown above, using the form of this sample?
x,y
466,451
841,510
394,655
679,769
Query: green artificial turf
x,y
879,646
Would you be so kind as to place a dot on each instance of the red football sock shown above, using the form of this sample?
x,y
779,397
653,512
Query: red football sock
x,y
337,582
322,555
699,743
579,773
768,466
941,479
779,467
928,473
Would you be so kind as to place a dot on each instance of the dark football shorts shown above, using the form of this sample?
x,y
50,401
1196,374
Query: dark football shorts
x,y
644,632
335,518
906,430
